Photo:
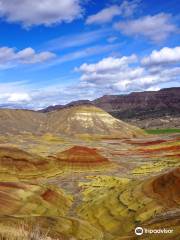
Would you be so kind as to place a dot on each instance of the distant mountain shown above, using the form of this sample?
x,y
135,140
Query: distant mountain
x,y
71,104
73,122
151,109
142,104
155,109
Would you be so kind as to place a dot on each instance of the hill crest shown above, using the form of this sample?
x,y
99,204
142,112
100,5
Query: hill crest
x,y
74,121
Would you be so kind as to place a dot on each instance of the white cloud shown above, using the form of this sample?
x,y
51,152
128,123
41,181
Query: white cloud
x,y
128,8
44,12
14,93
118,75
113,73
11,87
76,40
110,64
164,56
153,88
9,57
19,97
82,53
29,56
106,15
156,28
112,39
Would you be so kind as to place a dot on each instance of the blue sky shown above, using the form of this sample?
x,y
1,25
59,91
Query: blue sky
x,y
56,51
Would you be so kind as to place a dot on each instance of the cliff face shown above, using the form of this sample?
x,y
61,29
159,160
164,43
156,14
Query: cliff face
x,y
142,105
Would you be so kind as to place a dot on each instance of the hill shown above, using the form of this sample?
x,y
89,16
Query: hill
x,y
13,121
80,157
74,121
36,200
151,109
18,164
118,205
88,120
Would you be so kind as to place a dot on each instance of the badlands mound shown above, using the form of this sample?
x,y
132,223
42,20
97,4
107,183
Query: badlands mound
x,y
165,188
18,162
74,121
22,199
83,157
89,120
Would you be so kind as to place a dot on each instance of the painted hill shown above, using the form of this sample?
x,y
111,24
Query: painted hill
x,y
74,121
113,203
165,188
89,120
82,157
37,200
19,163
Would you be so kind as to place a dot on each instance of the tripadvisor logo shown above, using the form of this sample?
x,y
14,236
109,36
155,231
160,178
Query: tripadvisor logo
x,y
140,231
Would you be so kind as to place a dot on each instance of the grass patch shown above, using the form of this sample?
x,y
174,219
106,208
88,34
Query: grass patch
x,y
163,131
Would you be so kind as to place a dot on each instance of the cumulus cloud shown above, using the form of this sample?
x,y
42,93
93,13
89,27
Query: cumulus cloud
x,y
125,74
29,56
9,57
110,64
164,56
106,15
156,28
44,12
114,73
19,97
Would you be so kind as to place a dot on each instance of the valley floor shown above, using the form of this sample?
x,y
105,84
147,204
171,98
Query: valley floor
x,y
54,187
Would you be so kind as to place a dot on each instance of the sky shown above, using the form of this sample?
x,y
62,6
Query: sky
x,y
57,51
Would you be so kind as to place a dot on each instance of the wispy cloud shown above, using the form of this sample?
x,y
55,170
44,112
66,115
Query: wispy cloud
x,y
157,28
76,40
125,9
81,54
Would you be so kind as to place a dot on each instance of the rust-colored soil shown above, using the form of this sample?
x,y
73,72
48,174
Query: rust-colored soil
x,y
165,188
82,156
